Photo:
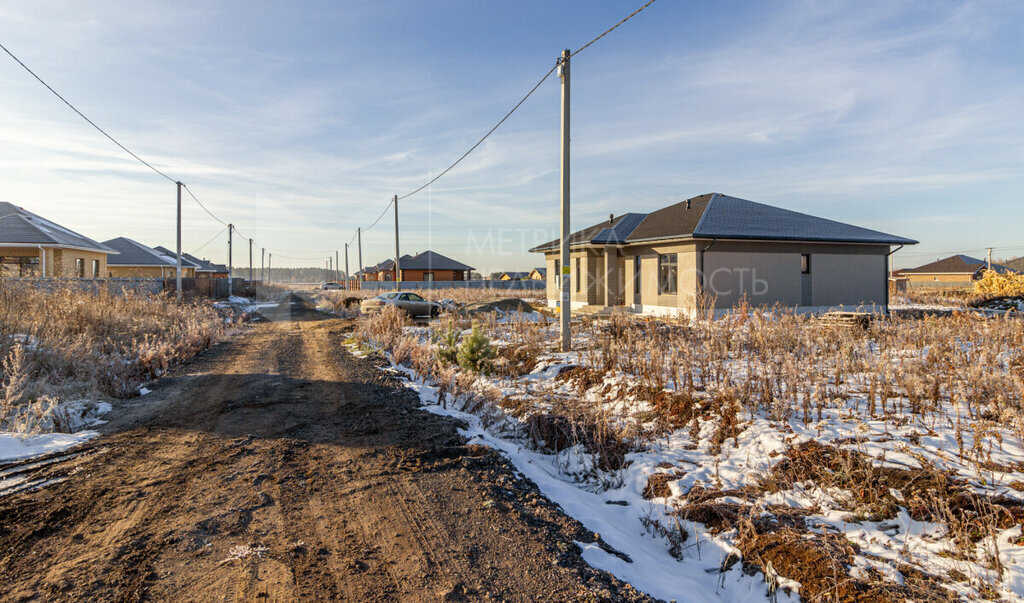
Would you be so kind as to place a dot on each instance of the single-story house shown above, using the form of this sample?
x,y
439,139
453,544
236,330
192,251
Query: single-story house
x,y
538,274
724,250
1016,264
139,261
202,268
32,246
956,271
513,276
425,266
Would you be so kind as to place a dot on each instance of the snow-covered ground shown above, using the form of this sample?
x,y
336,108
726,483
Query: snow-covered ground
x,y
985,457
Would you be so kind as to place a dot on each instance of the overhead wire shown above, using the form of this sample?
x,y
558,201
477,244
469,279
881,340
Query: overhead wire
x,y
82,115
212,239
611,29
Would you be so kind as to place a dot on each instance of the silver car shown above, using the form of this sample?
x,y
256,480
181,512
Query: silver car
x,y
412,303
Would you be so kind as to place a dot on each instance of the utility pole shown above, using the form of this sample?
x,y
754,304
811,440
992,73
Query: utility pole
x,y
347,275
398,269
231,229
330,268
359,236
263,265
177,278
337,267
990,258
563,311
250,263
270,259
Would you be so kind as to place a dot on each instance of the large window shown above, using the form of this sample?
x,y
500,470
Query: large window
x,y
19,266
579,271
95,268
80,267
428,276
558,274
668,273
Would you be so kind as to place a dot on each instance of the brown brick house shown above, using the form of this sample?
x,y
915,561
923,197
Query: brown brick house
x,y
956,271
139,261
32,246
426,266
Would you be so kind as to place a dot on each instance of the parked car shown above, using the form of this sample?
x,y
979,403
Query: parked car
x,y
329,286
410,302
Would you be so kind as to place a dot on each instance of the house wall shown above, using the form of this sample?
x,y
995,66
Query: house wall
x,y
148,272
769,273
686,275
60,263
439,275
943,281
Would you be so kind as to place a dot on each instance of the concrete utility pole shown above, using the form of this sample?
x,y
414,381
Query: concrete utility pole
x,y
990,258
231,230
330,268
250,262
398,269
564,306
177,278
347,275
263,264
337,267
359,236
270,259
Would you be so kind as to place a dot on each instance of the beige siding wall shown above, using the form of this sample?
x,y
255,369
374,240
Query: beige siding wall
x,y
769,273
148,272
686,271
61,263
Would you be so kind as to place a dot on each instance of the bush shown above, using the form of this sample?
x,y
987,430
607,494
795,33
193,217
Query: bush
x,y
475,351
993,283
448,346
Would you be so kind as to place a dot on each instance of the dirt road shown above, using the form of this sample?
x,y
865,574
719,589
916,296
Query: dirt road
x,y
276,467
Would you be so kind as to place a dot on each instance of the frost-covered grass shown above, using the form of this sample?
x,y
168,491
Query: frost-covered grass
x,y
879,464
64,353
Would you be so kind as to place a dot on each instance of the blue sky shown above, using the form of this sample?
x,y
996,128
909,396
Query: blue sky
x,y
298,121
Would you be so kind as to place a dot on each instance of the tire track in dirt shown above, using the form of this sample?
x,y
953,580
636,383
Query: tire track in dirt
x,y
276,467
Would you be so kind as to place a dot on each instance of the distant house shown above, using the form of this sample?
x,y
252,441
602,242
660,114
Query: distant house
x,y
32,246
538,274
725,250
137,260
1016,264
425,266
513,276
956,271
203,268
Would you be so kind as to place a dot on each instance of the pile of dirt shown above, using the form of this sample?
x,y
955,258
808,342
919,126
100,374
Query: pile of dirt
x,y
501,306
1002,302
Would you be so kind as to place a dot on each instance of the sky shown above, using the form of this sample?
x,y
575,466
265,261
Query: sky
x,y
298,121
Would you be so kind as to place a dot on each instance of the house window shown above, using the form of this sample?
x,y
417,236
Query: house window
x,y
80,267
95,268
667,273
636,275
19,266
805,263
428,276
578,272
558,274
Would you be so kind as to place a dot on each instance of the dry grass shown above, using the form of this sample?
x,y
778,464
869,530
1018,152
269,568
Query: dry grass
x,y
66,344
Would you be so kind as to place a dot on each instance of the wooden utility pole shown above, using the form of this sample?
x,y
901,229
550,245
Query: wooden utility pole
x,y
177,278
563,278
398,269
231,230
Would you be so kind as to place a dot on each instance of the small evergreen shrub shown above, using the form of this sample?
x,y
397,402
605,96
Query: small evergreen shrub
x,y
475,351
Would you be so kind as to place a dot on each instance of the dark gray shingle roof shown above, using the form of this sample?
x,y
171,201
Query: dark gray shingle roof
x,y
18,225
185,262
427,260
717,216
133,253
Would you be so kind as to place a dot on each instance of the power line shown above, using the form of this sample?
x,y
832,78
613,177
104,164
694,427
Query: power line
x,y
612,28
82,115
196,199
212,239
489,132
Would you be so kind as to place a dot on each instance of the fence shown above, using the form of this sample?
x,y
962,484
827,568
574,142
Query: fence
x,y
530,285
149,286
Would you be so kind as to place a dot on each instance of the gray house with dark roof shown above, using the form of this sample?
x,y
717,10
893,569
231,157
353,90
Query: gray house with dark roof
x,y
720,250
32,246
